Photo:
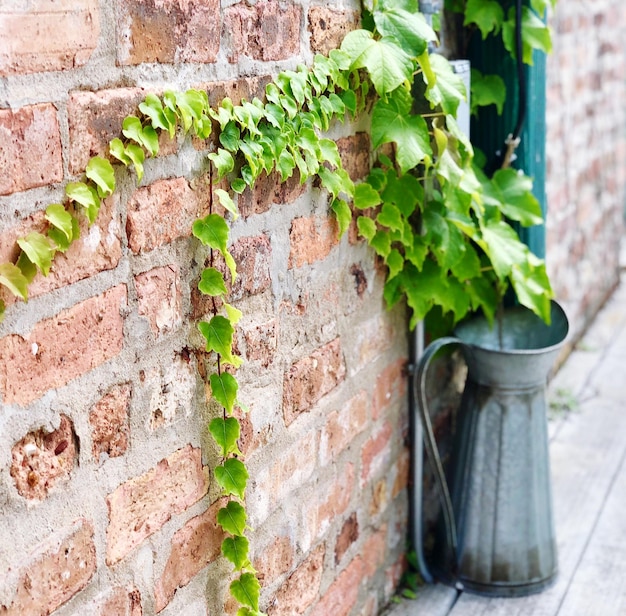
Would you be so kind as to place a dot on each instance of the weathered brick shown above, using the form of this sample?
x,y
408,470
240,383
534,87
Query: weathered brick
x,y
373,338
47,35
343,426
264,31
167,31
268,191
311,239
380,499
253,256
403,470
141,506
275,559
194,546
59,567
109,423
159,298
342,594
301,588
328,27
162,212
311,378
376,452
97,249
95,118
391,384
348,535
30,147
374,551
43,458
332,502
355,155
261,342
118,601
62,348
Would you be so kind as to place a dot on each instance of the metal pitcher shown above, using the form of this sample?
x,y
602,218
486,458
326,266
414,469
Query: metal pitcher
x,y
498,536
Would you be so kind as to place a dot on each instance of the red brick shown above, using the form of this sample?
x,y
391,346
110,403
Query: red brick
x,y
265,31
42,458
194,546
167,31
253,256
312,378
301,587
376,453
59,567
332,502
391,385
373,338
30,147
141,506
261,341
343,426
109,423
374,551
48,35
162,212
348,535
62,348
329,26
98,249
268,191
95,118
275,560
116,602
355,155
342,594
380,498
403,469
311,239
159,298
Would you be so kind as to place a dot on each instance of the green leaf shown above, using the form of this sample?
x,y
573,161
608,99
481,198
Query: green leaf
x,y
336,182
532,286
223,161
329,152
27,267
153,108
535,34
286,164
405,192
238,185
212,283
39,250
212,231
232,476
392,121
487,90
449,89
232,266
226,202
342,213
13,279
503,247
365,196
61,219
388,65
147,137
232,518
100,172
136,154
366,227
246,590
230,136
513,191
395,263
226,434
390,217
408,28
218,333
117,150
236,549
86,196
224,387
488,15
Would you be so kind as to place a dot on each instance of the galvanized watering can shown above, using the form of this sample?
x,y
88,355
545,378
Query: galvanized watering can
x,y
498,536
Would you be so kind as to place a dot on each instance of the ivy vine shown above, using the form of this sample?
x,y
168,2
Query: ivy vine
x,y
436,220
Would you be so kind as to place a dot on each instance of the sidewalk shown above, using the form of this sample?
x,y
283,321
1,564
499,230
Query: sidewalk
x,y
587,428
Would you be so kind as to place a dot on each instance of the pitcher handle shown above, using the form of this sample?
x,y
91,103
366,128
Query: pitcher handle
x,y
432,452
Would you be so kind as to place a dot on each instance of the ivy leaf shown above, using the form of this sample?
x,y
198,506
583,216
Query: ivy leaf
x,y
535,34
153,108
223,161
513,191
232,476
136,154
61,219
392,121
286,164
388,65
390,217
224,387
329,152
342,213
230,136
532,286
408,28
395,263
212,283
448,90
86,196
246,590
147,137
218,333
488,15
366,227
212,231
100,172
238,185
232,518
503,247
405,192
227,203
336,182
487,90
117,150
27,267
230,263
38,249
13,279
366,196
236,549
226,433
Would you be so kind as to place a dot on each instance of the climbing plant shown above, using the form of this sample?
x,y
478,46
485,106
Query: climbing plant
x,y
438,222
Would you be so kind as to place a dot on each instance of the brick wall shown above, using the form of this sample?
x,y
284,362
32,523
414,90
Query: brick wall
x,y
107,499
586,153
